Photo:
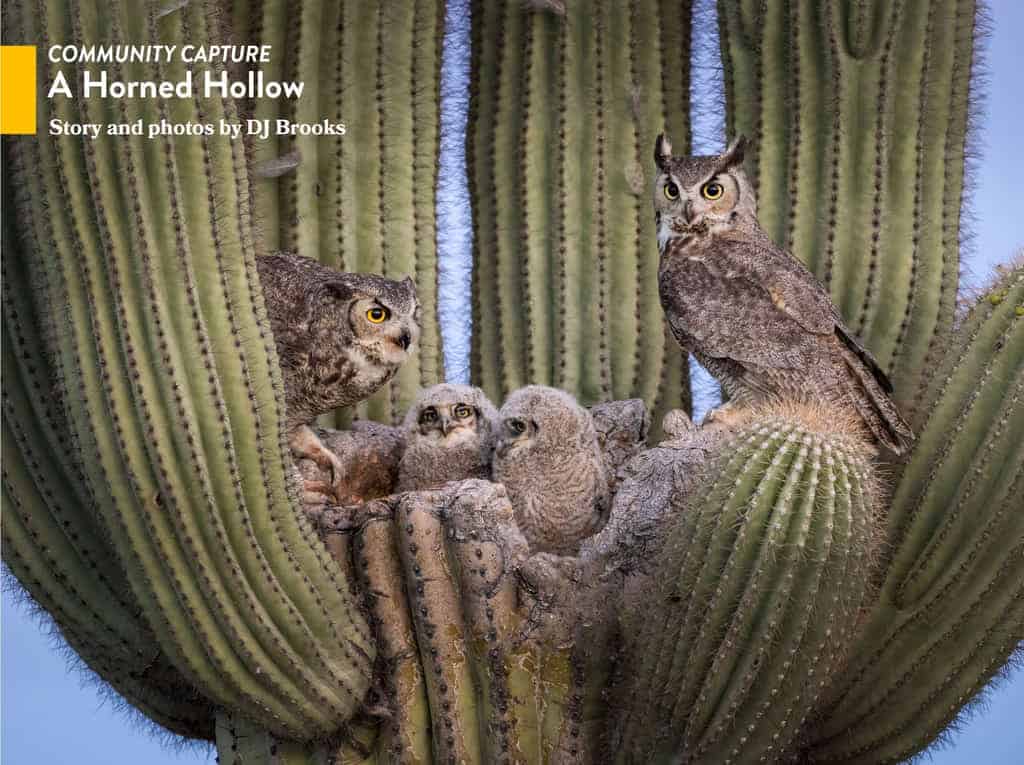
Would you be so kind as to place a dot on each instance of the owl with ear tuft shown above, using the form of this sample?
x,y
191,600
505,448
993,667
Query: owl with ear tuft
x,y
549,459
339,337
449,436
749,311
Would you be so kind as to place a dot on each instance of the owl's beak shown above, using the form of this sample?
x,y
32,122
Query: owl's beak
x,y
446,424
405,339
688,212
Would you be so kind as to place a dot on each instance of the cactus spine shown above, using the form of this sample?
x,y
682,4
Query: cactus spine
x,y
363,201
859,113
565,104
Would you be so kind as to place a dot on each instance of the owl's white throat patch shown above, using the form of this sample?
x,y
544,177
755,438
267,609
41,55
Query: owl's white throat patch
x,y
665,233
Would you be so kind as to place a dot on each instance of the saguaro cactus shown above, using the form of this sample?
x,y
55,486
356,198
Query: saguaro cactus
x,y
760,595
951,608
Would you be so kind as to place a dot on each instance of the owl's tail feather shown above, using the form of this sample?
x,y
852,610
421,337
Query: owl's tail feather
x,y
876,408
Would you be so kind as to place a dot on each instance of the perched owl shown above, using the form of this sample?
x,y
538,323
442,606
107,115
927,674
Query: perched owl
x,y
548,458
339,338
449,436
750,312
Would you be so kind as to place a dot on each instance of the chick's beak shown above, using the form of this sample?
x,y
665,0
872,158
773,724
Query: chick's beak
x,y
446,424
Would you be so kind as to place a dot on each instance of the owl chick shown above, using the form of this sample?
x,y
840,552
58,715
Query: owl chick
x,y
548,458
749,311
449,436
339,338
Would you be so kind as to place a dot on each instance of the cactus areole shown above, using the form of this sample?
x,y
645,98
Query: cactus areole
x,y
765,587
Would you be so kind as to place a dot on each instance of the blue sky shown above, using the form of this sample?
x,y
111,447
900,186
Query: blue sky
x,y
50,715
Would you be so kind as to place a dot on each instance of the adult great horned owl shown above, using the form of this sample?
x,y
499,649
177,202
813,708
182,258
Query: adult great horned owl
x,y
548,458
750,312
339,338
449,436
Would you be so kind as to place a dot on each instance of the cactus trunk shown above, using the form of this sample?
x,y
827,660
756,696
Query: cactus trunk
x,y
565,105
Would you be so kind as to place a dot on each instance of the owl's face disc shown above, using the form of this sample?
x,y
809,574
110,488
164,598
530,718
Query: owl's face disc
x,y
694,196
449,423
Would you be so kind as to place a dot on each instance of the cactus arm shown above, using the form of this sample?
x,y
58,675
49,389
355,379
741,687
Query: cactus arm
x,y
537,188
952,582
503,168
183,460
407,734
846,102
440,630
772,566
108,645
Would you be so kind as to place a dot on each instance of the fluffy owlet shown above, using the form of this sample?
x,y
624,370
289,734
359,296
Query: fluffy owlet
x,y
449,436
339,338
548,458
750,312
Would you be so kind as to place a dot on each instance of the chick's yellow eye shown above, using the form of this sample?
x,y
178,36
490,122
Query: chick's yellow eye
x,y
671,191
712,190
377,315
462,411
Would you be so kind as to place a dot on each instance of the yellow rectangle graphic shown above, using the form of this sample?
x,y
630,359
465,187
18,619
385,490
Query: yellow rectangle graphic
x,y
17,89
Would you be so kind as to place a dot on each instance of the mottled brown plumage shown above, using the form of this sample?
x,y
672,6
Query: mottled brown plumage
x,y
749,311
449,436
339,338
549,460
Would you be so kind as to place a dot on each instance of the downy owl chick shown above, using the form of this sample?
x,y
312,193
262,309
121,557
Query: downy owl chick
x,y
750,312
548,458
449,436
339,338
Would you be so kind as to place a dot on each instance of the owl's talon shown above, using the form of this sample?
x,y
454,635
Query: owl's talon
x,y
318,493
305,444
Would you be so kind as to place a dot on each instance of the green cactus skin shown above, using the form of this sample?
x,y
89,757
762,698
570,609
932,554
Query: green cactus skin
x,y
475,668
363,201
563,114
951,608
859,115
770,562
154,314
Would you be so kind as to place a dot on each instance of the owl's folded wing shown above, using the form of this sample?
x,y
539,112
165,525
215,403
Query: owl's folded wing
x,y
793,291
749,304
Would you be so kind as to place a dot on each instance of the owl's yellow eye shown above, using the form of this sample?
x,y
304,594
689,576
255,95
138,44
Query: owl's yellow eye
x,y
377,315
671,191
462,412
712,190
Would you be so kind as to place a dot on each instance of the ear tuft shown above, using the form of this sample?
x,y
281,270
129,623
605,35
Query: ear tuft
x,y
734,154
338,290
662,150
